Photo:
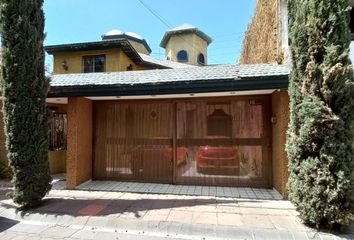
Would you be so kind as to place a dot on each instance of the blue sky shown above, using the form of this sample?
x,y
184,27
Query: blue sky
x,y
69,21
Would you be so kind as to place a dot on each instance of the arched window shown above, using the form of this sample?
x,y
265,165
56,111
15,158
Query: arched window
x,y
182,56
201,59
219,123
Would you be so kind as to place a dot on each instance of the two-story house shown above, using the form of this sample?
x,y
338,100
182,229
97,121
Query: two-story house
x,y
134,118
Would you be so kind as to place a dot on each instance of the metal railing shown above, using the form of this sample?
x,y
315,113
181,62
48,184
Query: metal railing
x,y
58,131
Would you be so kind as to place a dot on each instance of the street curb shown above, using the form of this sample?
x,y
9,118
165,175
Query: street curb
x,y
167,229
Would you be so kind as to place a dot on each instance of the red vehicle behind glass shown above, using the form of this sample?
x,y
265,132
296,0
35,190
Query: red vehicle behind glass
x,y
218,160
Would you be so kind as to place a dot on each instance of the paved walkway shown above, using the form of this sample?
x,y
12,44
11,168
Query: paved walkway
x,y
121,215
228,192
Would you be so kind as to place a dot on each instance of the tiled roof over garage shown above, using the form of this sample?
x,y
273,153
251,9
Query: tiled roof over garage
x,y
189,74
171,81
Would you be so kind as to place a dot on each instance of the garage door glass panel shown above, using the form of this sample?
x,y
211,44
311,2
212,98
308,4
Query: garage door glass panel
x,y
133,141
224,142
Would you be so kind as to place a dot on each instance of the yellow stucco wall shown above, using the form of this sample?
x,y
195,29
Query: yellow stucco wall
x,y
280,110
57,159
116,60
79,150
190,42
124,62
139,47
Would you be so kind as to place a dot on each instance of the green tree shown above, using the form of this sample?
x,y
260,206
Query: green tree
x,y
320,133
25,89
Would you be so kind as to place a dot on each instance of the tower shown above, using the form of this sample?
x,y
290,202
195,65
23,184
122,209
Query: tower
x,y
186,44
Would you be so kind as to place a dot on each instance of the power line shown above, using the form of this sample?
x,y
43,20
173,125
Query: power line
x,y
152,11
160,18
228,35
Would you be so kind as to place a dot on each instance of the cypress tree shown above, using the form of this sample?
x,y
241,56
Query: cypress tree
x,y
320,133
25,89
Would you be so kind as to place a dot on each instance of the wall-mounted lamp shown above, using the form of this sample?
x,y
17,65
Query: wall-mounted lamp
x,y
64,65
130,67
273,119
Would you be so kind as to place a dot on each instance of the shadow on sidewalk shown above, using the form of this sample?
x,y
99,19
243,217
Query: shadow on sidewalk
x,y
6,223
104,207
57,207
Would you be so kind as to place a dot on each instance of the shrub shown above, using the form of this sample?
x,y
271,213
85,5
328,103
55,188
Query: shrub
x,y
320,134
25,89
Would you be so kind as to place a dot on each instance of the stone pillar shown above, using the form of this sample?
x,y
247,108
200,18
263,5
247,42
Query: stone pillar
x,y
280,110
79,142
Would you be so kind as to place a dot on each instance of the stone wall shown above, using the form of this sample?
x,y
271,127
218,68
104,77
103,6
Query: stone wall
x,y
263,38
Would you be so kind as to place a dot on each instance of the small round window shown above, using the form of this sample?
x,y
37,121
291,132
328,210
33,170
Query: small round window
x,y
201,59
182,56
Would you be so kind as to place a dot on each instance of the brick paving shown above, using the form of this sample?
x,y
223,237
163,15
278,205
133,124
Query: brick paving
x,y
125,215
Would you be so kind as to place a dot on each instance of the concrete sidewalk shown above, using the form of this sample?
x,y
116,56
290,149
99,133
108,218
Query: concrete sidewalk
x,y
92,214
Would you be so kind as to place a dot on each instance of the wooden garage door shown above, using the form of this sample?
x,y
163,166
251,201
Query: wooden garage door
x,y
217,141
133,141
227,142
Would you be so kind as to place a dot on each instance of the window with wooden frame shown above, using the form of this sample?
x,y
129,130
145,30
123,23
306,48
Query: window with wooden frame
x,y
95,63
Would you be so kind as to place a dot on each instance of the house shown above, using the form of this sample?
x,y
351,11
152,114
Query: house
x,y
134,118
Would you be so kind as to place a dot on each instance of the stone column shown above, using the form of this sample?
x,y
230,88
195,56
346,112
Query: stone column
x,y
280,110
79,142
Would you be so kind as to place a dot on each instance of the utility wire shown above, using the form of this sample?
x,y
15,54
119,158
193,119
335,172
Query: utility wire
x,y
161,19
153,12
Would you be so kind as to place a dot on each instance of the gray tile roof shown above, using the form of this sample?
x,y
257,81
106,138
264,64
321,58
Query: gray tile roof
x,y
165,76
184,28
164,63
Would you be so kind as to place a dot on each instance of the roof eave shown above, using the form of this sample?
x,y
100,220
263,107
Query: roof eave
x,y
123,44
200,86
141,41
